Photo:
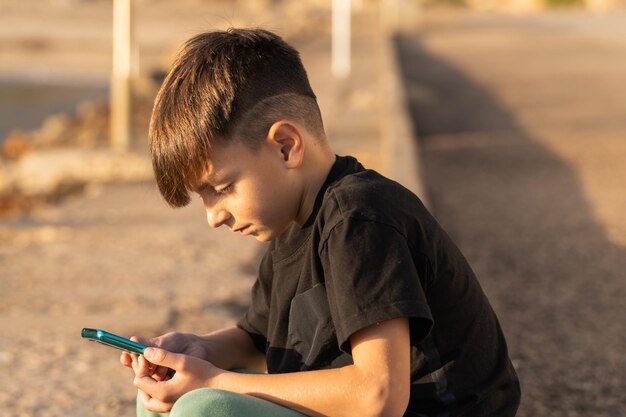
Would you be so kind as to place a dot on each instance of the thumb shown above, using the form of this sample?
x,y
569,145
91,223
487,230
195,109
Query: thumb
x,y
148,341
164,358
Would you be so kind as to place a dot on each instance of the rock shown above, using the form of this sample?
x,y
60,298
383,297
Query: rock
x,y
93,124
48,171
16,144
55,130
6,179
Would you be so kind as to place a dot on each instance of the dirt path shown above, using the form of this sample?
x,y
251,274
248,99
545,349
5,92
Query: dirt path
x,y
523,135
117,257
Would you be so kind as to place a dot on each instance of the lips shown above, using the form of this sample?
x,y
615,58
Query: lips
x,y
245,230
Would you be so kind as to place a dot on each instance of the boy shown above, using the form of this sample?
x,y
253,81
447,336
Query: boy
x,y
363,306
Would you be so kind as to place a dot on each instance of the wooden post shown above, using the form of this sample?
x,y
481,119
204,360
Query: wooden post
x,y
602,6
391,15
341,28
120,96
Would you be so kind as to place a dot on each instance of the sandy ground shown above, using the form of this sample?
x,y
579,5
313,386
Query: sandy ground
x,y
523,136
116,257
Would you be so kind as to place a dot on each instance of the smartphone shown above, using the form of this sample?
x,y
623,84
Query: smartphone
x,y
113,340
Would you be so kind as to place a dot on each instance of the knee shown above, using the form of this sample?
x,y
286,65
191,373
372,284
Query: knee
x,y
205,403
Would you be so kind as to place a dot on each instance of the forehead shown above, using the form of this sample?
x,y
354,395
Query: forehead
x,y
226,159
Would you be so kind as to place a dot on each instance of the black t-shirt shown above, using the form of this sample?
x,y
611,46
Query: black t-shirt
x,y
371,252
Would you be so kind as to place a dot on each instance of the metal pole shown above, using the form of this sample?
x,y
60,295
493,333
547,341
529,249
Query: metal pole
x,y
341,29
120,99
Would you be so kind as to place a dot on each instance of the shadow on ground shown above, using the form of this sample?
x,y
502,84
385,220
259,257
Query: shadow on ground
x,y
520,215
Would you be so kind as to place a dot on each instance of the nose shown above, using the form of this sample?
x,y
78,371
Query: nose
x,y
216,216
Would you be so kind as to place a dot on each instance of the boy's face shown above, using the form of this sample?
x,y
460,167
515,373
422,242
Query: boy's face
x,y
253,193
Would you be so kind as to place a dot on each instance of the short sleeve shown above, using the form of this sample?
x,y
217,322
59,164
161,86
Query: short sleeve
x,y
371,275
255,320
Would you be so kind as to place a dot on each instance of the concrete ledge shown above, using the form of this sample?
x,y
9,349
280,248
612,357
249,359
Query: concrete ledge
x,y
400,146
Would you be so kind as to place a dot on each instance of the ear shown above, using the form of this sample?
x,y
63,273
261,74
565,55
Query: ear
x,y
288,140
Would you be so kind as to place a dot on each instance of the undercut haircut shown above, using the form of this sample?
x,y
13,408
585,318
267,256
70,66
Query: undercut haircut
x,y
225,86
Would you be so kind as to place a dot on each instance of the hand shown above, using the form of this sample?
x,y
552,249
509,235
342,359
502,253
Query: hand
x,y
189,373
186,343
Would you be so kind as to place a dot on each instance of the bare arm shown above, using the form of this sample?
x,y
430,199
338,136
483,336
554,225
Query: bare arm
x,y
232,348
377,384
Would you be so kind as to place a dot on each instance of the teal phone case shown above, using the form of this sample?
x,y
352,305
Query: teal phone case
x,y
113,340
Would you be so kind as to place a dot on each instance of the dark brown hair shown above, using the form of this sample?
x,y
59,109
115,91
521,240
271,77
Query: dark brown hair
x,y
223,86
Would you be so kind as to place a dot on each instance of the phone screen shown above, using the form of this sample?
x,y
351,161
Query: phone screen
x,y
113,340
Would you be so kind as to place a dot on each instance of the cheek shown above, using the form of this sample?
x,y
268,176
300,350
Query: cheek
x,y
251,204
270,201
271,207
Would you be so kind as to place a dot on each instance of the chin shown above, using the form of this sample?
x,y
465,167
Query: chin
x,y
267,234
264,238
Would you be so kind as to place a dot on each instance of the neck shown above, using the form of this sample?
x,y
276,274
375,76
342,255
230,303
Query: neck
x,y
318,168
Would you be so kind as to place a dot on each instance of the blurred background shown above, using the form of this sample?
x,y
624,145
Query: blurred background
x,y
505,117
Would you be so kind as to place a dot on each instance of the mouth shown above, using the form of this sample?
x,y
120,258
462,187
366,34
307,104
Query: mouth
x,y
245,230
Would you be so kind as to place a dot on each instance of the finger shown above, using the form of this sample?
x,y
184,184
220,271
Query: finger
x,y
126,360
148,385
152,404
160,373
141,366
139,339
151,386
164,358
135,363
145,340
145,368
158,406
145,398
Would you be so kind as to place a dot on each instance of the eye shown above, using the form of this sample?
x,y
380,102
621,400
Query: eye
x,y
224,190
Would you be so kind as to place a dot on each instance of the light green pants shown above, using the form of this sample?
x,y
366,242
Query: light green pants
x,y
220,403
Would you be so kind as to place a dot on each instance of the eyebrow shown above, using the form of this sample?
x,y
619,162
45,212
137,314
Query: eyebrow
x,y
207,181
199,187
